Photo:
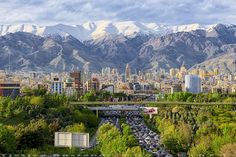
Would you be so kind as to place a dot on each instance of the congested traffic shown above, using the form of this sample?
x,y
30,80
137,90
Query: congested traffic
x,y
147,139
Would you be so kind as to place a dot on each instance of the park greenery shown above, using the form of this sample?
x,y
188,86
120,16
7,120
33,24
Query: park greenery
x,y
116,143
102,96
28,123
195,131
201,97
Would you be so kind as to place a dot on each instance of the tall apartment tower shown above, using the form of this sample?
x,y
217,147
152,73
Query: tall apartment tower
x,y
92,84
127,72
56,86
76,75
192,83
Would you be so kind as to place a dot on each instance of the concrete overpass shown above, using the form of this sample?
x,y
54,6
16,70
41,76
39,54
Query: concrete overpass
x,y
118,108
153,103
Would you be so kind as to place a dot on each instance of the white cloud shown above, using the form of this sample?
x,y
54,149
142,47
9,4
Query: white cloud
x,y
79,11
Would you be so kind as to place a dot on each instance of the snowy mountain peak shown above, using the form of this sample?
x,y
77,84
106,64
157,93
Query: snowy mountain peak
x,y
93,30
191,27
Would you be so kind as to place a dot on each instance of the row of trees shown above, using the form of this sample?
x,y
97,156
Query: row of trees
x,y
102,96
201,97
114,143
208,131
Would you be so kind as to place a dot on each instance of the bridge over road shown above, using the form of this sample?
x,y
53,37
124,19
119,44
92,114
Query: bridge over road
x,y
153,103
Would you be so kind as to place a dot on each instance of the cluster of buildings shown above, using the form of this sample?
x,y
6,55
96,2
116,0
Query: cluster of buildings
x,y
62,83
130,81
202,80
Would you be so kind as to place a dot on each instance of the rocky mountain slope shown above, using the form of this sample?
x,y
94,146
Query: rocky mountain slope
x,y
26,51
208,49
188,48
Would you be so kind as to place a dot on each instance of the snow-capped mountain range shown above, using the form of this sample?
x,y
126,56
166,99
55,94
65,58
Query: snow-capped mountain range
x,y
147,47
97,29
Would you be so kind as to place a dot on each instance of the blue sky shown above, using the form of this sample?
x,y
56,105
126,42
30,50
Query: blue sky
x,y
46,12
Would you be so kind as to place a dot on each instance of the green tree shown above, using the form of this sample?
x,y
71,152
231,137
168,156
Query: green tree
x,y
90,96
111,141
8,107
76,128
104,95
162,124
37,101
128,136
135,152
39,91
34,135
104,130
177,138
7,140
202,148
229,100
27,91
218,141
214,97
114,147
119,95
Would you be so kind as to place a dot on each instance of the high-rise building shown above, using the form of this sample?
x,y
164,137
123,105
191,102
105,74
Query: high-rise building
x,y
183,70
195,72
106,71
134,78
173,72
175,88
123,78
114,71
137,71
56,86
127,72
69,87
92,84
202,73
193,83
76,76
230,77
216,71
